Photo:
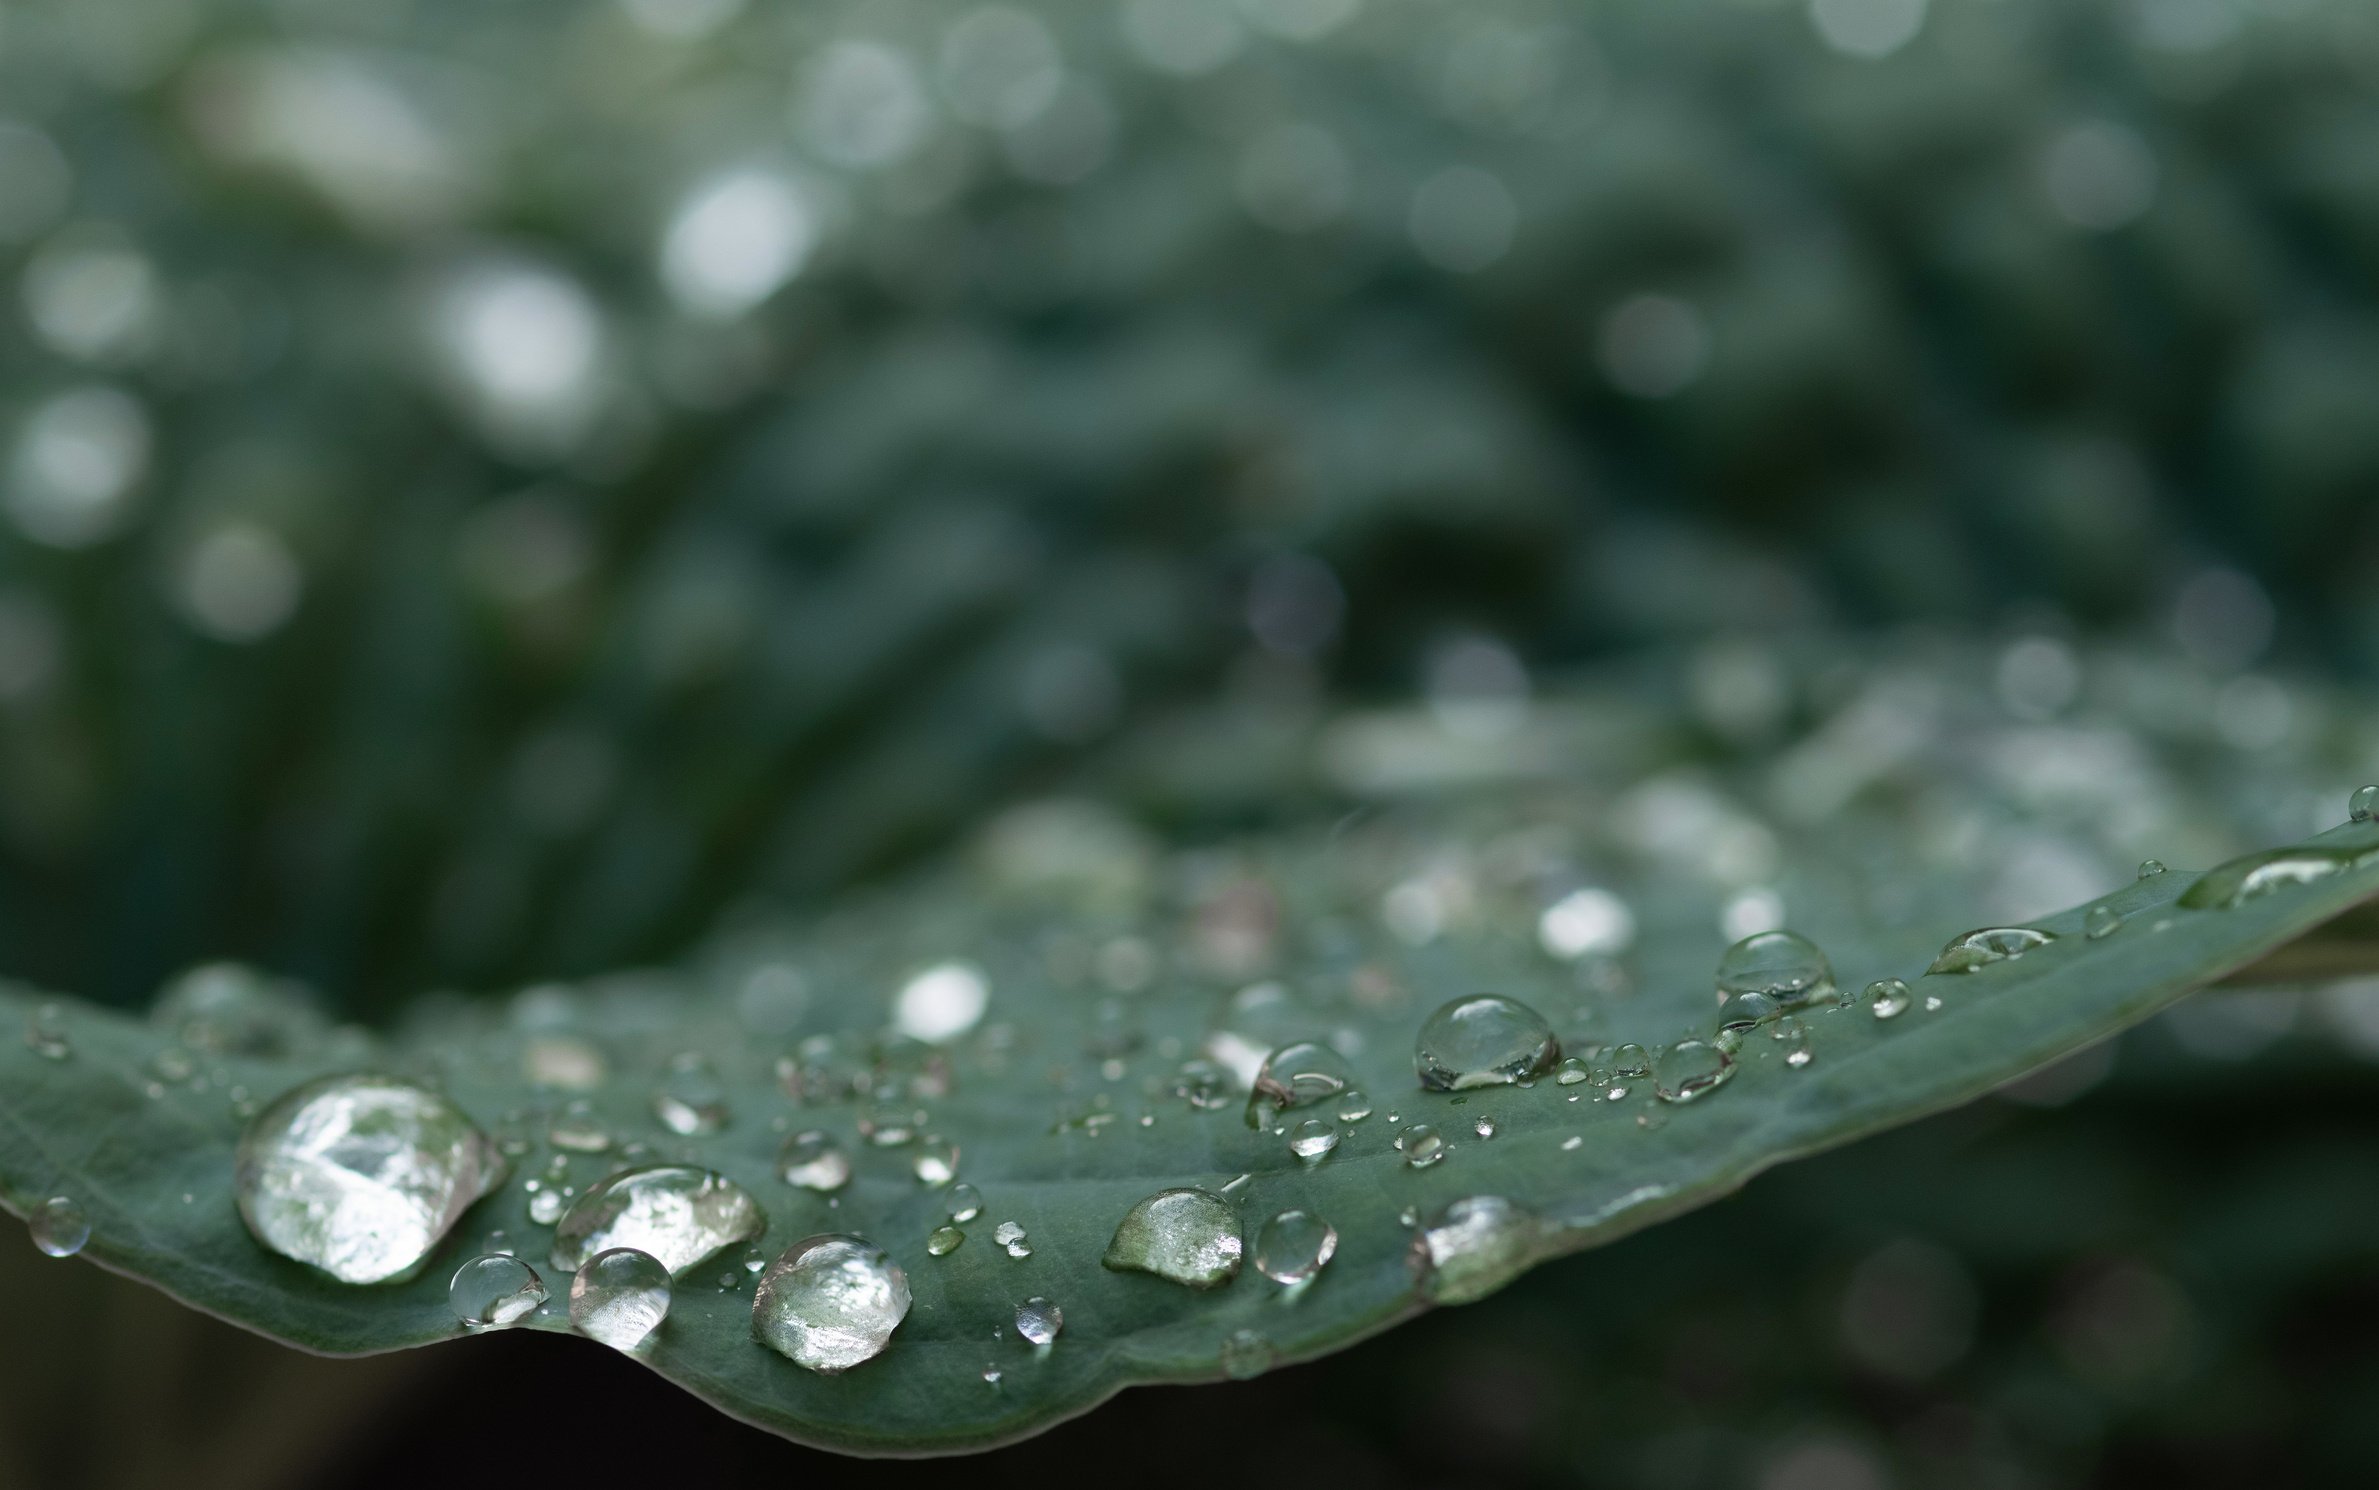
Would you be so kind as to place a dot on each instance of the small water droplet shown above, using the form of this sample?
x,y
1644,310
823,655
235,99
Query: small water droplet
x,y
2363,805
1354,1107
1187,1236
361,1175
1571,1144
680,1215
44,1035
1246,1355
936,1161
1887,998
991,1376
691,1098
1483,1040
2150,868
1294,1246
59,1226
1313,1138
546,1204
944,1241
1039,1320
1775,971
619,1297
830,1302
1992,944
578,1134
815,1160
1473,1247
1422,1146
494,1290
1794,1035
1296,1075
2101,922
1484,1127
1691,1068
966,1202
2245,879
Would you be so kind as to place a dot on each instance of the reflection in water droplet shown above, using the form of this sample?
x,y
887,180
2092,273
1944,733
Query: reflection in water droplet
x,y
1887,998
619,1297
1691,1068
1980,949
1039,1320
1293,1246
361,1175
1296,1075
1422,1146
2363,805
59,1226
966,1202
494,1290
1246,1355
2101,922
1473,1247
815,1160
830,1302
691,1099
1483,1040
2150,868
2242,880
1313,1138
1185,1236
1773,971
681,1215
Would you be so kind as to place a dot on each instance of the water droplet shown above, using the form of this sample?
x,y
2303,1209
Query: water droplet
x,y
1484,1127
1007,1233
1631,1062
1313,1138
1473,1247
620,1297
944,1241
578,1134
1294,1245
691,1099
1203,1085
59,1226
1795,1037
494,1290
2101,922
1573,1071
1353,1107
44,1036
1887,998
1039,1320
936,1162
1572,1143
942,1002
681,1215
1186,1236
546,1204
1483,1040
1296,1075
814,1160
1980,949
361,1175
1246,1355
2150,868
2242,880
1691,1068
1422,1146
2363,805
966,1202
991,1376
830,1302
1781,970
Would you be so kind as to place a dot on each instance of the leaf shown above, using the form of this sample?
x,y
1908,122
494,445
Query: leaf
x,y
1109,966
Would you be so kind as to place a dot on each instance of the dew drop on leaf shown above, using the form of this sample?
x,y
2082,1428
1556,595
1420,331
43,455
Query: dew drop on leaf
x,y
494,1290
1887,998
1246,1355
681,1215
814,1160
619,1297
1484,1126
691,1098
944,1241
1992,944
43,1035
546,1203
1690,1069
1186,1236
360,1175
2363,805
1294,1246
1354,1107
935,1162
1631,1062
966,1202
2233,884
1039,1320
1296,1075
1483,1040
1773,971
1313,1138
1422,1146
2150,868
830,1302
2101,922
1473,1247
1573,1071
59,1226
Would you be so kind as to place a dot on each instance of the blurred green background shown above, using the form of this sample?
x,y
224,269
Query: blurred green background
x,y
487,487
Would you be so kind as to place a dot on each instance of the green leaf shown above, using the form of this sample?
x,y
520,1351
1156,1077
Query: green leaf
x,y
1109,966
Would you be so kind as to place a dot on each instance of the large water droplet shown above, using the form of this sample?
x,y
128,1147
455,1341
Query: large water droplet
x,y
830,1302
620,1297
1039,1320
1186,1236
1313,1138
1473,1247
1483,1040
2242,880
59,1226
1783,969
1296,1075
1422,1146
680,1215
1294,1245
360,1175
1979,949
1690,1069
691,1098
494,1290
814,1160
